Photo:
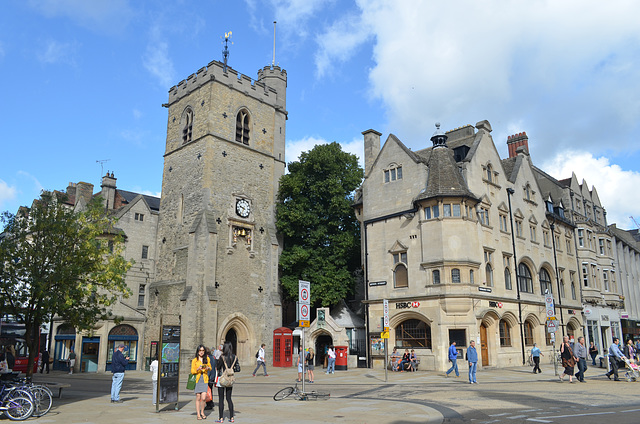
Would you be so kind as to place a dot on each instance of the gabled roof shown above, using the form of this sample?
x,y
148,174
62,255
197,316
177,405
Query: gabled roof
x,y
152,201
444,178
345,317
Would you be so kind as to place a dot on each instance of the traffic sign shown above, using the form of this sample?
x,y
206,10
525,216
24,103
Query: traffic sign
x,y
551,326
548,300
304,290
385,310
384,335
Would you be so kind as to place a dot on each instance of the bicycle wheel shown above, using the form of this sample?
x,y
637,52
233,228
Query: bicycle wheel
x,y
18,408
42,400
283,394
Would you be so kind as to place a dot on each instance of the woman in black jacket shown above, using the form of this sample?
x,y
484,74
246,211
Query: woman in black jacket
x,y
227,358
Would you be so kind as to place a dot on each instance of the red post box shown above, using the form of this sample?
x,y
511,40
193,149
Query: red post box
x,y
341,357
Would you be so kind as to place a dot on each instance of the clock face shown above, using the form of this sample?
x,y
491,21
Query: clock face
x,y
243,208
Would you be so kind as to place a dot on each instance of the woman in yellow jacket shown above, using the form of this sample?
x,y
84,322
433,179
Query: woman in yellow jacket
x,y
200,366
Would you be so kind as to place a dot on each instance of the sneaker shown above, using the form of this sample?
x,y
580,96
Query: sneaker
x,y
266,375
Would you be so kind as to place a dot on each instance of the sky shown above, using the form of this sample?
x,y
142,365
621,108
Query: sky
x,y
84,82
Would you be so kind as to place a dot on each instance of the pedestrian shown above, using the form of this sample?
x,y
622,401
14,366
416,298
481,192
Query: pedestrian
x,y
300,364
638,349
453,358
615,355
472,358
10,356
213,374
414,360
200,366
72,360
261,361
535,355
218,352
45,361
153,367
593,352
395,359
309,359
568,359
406,359
581,353
630,351
331,367
118,364
227,360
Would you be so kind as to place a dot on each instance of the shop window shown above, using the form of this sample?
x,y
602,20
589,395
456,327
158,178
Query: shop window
x,y
505,333
413,333
528,333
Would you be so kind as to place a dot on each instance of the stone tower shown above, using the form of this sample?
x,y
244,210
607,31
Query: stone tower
x,y
218,250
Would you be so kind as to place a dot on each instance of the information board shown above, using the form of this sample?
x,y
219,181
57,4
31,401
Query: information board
x,y
169,378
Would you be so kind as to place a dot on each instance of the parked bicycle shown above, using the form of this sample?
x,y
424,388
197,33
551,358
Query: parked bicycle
x,y
15,403
39,396
300,395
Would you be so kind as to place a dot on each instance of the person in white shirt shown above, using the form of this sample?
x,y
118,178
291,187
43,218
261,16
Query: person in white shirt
x,y
261,361
154,378
331,364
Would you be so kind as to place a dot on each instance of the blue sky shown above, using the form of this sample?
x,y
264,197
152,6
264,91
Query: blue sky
x,y
84,81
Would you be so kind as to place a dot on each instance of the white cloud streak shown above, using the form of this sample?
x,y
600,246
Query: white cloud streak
x,y
106,16
157,59
55,52
7,193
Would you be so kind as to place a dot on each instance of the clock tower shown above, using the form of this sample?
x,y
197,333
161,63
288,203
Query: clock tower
x,y
217,270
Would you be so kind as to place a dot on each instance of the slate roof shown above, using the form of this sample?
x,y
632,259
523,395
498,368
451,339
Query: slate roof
x,y
152,201
444,178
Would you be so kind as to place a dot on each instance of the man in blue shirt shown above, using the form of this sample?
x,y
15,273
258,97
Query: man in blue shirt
x,y
472,358
118,365
535,355
453,358
615,355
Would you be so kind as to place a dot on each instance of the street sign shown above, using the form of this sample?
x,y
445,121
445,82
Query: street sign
x,y
384,335
548,300
385,310
551,326
304,308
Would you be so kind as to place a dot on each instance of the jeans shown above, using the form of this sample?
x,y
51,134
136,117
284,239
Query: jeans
x,y
116,385
582,367
454,367
331,366
473,367
264,366
593,359
536,364
154,383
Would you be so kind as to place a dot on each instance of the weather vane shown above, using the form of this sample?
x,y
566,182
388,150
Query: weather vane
x,y
225,52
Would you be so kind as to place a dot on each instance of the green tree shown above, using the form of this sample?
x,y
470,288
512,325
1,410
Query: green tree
x,y
316,218
57,262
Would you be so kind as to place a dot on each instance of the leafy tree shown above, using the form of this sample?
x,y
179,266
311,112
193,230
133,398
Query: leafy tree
x,y
57,262
316,218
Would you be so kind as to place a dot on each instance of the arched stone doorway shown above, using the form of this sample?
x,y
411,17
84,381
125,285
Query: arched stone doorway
x,y
232,337
322,344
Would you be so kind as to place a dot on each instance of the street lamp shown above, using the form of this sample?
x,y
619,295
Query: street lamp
x,y
555,261
510,192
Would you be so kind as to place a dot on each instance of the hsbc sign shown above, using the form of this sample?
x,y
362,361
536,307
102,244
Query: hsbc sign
x,y
407,305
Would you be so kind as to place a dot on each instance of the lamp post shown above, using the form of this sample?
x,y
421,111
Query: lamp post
x,y
555,261
510,192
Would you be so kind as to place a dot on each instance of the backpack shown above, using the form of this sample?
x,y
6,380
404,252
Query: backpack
x,y
228,376
257,354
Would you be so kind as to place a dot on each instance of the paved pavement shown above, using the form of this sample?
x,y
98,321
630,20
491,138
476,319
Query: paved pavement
x,y
362,396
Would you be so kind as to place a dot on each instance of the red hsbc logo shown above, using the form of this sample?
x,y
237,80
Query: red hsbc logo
x,y
415,304
407,305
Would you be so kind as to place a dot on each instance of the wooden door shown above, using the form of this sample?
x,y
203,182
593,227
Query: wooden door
x,y
484,348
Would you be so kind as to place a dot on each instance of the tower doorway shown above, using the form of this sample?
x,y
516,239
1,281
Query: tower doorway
x,y
232,337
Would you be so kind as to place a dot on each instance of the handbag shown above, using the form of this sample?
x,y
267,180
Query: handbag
x,y
191,382
236,367
209,396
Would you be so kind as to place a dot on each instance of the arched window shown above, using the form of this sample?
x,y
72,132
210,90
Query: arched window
x,y
528,333
524,278
242,127
187,129
471,277
545,282
413,333
400,276
505,333
123,335
489,173
455,275
507,279
489,275
436,276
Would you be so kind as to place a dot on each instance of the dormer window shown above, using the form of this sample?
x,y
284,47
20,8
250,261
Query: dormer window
x,y
549,204
393,173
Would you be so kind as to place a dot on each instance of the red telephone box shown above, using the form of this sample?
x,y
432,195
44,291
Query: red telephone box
x,y
282,347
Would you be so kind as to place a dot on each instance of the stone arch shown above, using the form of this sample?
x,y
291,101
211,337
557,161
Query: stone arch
x,y
244,334
510,318
489,318
573,327
535,320
410,314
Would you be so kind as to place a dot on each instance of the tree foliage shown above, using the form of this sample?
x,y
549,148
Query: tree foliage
x,y
57,262
320,230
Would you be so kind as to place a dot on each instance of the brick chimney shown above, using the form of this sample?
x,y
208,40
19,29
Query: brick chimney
x,y
83,191
108,191
515,141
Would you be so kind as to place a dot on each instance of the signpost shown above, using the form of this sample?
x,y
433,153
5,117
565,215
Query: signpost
x,y
551,325
385,334
304,308
169,365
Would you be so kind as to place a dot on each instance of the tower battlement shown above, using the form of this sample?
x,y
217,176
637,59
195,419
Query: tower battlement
x,y
214,71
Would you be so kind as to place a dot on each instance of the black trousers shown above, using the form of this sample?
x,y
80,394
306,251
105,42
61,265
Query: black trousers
x,y
536,364
45,364
614,367
221,396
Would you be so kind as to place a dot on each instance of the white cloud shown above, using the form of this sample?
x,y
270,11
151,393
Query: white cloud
x,y
157,58
295,147
110,16
37,186
617,188
151,193
7,193
56,52
571,80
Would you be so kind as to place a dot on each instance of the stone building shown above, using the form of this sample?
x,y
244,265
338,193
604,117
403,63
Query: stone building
x,y
137,221
217,249
439,227
627,254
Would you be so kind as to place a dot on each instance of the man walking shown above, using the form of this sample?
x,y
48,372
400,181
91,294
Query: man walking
x,y
615,355
580,351
472,358
118,365
45,361
535,355
72,360
453,358
261,362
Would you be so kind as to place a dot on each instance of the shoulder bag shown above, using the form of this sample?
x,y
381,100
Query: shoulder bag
x,y
191,382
